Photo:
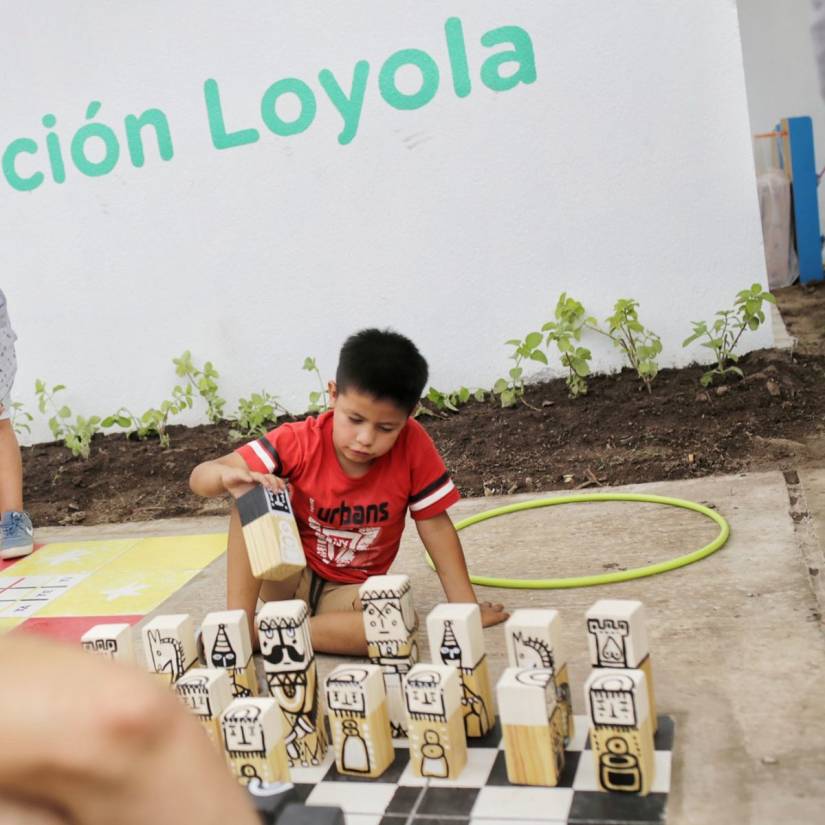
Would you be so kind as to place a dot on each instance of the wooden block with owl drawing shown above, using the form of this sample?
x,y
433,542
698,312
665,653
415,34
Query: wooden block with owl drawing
x,y
207,692
292,677
621,730
169,646
533,639
617,637
456,639
253,731
435,723
390,625
358,720
533,726
226,644
111,640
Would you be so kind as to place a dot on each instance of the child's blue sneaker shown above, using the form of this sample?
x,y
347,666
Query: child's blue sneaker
x,y
16,535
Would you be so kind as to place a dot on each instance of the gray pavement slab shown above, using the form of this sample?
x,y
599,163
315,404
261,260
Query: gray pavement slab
x,y
737,642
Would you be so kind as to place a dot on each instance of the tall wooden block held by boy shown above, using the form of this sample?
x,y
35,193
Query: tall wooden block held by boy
x,y
617,637
456,640
533,726
534,640
271,534
291,673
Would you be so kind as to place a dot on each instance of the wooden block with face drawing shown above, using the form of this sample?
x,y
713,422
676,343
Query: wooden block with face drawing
x,y
226,644
358,719
617,637
390,625
207,692
291,674
456,639
270,532
111,640
253,738
531,720
169,646
438,743
533,639
621,732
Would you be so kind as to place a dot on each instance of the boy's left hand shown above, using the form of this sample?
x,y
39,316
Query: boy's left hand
x,y
492,614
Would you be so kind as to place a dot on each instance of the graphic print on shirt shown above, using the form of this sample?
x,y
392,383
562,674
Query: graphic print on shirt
x,y
337,546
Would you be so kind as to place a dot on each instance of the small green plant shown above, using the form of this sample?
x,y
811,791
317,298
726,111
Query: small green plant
x,y
510,390
317,398
203,382
640,346
77,434
565,332
155,420
453,400
730,324
255,414
20,418
126,419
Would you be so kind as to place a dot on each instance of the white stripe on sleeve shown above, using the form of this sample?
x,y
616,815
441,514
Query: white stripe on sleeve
x,y
433,497
263,455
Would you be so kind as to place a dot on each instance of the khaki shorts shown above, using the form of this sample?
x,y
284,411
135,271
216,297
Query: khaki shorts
x,y
321,596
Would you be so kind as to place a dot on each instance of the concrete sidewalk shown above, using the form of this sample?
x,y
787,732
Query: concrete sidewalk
x,y
737,640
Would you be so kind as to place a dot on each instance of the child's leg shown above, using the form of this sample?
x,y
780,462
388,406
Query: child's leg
x,y
11,468
338,624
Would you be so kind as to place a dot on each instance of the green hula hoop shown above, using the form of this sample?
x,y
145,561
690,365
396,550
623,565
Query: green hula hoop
x,y
602,578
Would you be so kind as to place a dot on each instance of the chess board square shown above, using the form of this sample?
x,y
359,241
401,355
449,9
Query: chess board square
x,y
404,800
448,802
475,772
438,820
585,776
490,740
303,790
580,731
516,802
498,773
353,797
393,820
628,809
314,773
392,774
364,819
663,740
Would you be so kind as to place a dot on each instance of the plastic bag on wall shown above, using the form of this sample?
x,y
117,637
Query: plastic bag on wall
x,y
775,208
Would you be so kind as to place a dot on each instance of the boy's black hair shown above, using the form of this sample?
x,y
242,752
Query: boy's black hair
x,y
384,364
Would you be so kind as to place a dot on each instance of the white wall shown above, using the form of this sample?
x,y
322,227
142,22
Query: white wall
x,y
780,68
623,170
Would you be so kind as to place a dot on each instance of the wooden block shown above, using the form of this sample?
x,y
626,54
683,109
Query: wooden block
x,y
533,726
534,640
617,637
111,640
226,644
291,674
390,624
253,737
457,640
359,721
621,733
170,647
207,692
271,534
438,744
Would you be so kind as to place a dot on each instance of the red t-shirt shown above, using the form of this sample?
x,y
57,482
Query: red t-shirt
x,y
351,527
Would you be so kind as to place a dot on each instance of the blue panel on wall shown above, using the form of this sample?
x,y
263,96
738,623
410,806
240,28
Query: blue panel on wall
x,y
806,207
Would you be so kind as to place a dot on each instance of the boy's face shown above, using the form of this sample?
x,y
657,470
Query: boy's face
x,y
363,427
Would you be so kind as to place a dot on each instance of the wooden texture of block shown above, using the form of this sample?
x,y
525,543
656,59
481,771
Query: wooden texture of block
x,y
533,726
270,531
291,674
253,738
390,624
534,640
207,692
226,644
617,637
457,640
359,721
170,647
621,733
111,640
435,724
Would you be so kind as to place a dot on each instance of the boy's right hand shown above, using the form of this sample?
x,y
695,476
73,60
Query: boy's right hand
x,y
238,481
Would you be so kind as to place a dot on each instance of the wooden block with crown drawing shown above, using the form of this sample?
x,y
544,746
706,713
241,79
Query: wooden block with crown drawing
x,y
270,532
207,692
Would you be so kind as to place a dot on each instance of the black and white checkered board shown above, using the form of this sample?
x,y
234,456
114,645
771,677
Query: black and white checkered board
x,y
482,795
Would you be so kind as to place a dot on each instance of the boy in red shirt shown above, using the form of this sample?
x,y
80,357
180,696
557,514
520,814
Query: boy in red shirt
x,y
352,473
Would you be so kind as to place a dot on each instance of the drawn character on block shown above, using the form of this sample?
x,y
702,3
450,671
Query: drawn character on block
x,y
476,718
194,691
390,623
167,655
106,647
345,699
223,656
610,635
